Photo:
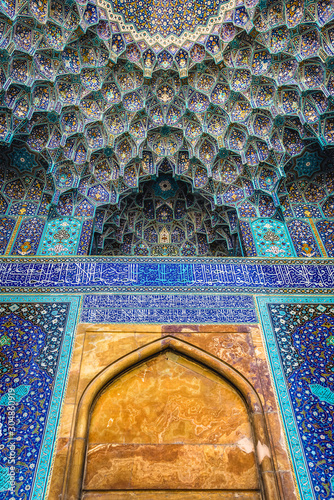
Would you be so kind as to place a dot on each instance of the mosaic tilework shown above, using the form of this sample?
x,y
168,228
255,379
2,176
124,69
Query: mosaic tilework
x,y
168,309
95,103
166,219
23,159
36,337
326,232
148,274
29,235
303,239
247,238
85,237
299,340
166,18
61,237
7,225
271,238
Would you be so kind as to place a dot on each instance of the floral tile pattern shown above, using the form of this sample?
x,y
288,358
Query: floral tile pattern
x,y
36,336
299,337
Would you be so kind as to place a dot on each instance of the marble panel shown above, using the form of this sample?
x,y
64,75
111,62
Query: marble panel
x,y
173,495
99,345
103,348
174,466
232,344
170,423
169,400
59,468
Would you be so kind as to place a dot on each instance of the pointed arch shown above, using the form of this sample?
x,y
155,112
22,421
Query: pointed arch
x,y
116,369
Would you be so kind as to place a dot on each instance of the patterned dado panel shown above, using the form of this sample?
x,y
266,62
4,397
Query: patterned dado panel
x,y
36,338
299,338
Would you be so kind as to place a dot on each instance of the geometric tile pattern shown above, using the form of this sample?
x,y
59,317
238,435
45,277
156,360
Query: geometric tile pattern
x,y
166,219
233,99
166,19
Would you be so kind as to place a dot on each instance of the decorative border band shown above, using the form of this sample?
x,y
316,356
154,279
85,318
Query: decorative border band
x,y
152,275
168,309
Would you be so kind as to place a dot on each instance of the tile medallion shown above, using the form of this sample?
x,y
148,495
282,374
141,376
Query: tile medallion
x,y
271,238
61,237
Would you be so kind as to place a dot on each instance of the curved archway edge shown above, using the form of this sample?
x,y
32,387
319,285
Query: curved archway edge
x,y
265,464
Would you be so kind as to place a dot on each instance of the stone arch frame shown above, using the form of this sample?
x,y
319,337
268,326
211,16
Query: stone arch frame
x,y
263,454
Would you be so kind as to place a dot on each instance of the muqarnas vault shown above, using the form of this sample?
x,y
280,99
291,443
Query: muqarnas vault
x,y
166,242
233,110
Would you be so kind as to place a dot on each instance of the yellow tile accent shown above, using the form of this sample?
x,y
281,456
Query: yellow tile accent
x,y
317,237
11,241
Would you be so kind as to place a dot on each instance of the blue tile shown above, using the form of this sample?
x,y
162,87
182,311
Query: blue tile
x,y
299,340
170,308
36,337
153,275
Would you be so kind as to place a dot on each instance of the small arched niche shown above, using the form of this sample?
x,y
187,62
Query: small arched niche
x,y
170,428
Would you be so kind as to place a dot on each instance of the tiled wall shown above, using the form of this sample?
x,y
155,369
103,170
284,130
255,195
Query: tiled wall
x,y
36,339
280,342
